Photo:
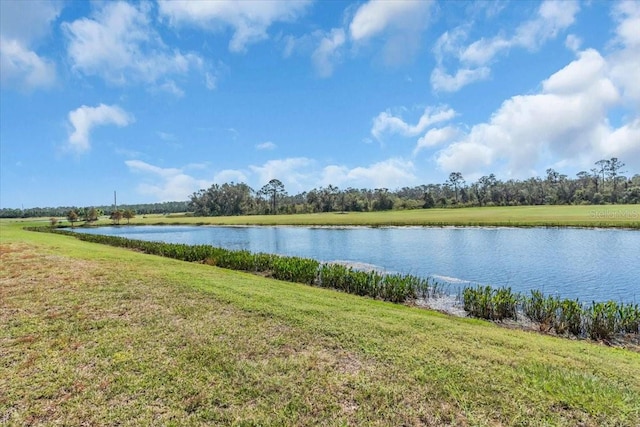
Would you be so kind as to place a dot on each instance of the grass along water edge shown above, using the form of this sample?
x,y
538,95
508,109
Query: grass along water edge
x,y
565,317
96,335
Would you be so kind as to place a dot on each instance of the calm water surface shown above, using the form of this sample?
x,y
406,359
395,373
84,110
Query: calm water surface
x,y
590,264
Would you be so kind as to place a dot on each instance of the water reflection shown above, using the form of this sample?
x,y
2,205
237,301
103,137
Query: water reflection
x,y
573,263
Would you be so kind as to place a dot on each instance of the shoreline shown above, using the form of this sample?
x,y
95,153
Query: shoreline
x,y
451,305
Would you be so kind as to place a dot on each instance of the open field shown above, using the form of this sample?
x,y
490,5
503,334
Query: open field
x,y
523,216
96,335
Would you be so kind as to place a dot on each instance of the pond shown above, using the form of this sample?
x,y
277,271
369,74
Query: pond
x,y
589,264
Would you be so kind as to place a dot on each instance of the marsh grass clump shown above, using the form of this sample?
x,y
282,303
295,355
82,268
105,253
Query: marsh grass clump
x,y
295,269
602,320
486,302
538,308
629,318
599,321
569,317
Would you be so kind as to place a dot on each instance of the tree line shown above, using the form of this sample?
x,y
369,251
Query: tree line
x,y
606,182
62,211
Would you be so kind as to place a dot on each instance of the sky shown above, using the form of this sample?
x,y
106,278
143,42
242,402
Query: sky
x,y
158,99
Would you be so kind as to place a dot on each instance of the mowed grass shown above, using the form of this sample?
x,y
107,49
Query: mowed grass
x,y
526,216
96,335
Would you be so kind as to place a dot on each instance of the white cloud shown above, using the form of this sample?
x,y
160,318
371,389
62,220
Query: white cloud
x,y
387,123
119,44
293,172
391,173
85,118
266,146
442,81
467,157
482,51
230,175
401,23
552,18
23,24
573,42
24,67
328,52
623,143
165,184
567,120
625,61
376,16
171,87
249,19
436,137
28,21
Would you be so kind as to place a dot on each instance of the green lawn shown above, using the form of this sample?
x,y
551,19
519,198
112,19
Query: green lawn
x,y
95,335
575,216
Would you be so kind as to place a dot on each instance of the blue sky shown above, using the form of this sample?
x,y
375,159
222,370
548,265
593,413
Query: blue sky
x,y
160,99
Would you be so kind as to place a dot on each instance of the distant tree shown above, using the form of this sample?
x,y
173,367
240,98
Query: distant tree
x,y
273,190
116,216
602,169
614,167
382,200
595,179
128,214
429,202
456,180
90,214
72,216
54,221
484,187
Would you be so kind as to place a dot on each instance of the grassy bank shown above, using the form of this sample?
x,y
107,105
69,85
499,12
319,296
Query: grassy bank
x,y
92,334
625,216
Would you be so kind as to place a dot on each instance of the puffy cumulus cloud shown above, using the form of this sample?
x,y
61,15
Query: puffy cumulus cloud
x,y
473,59
623,143
390,173
435,137
22,25
119,44
388,123
469,157
249,19
165,184
85,118
375,16
294,172
625,61
401,23
567,120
